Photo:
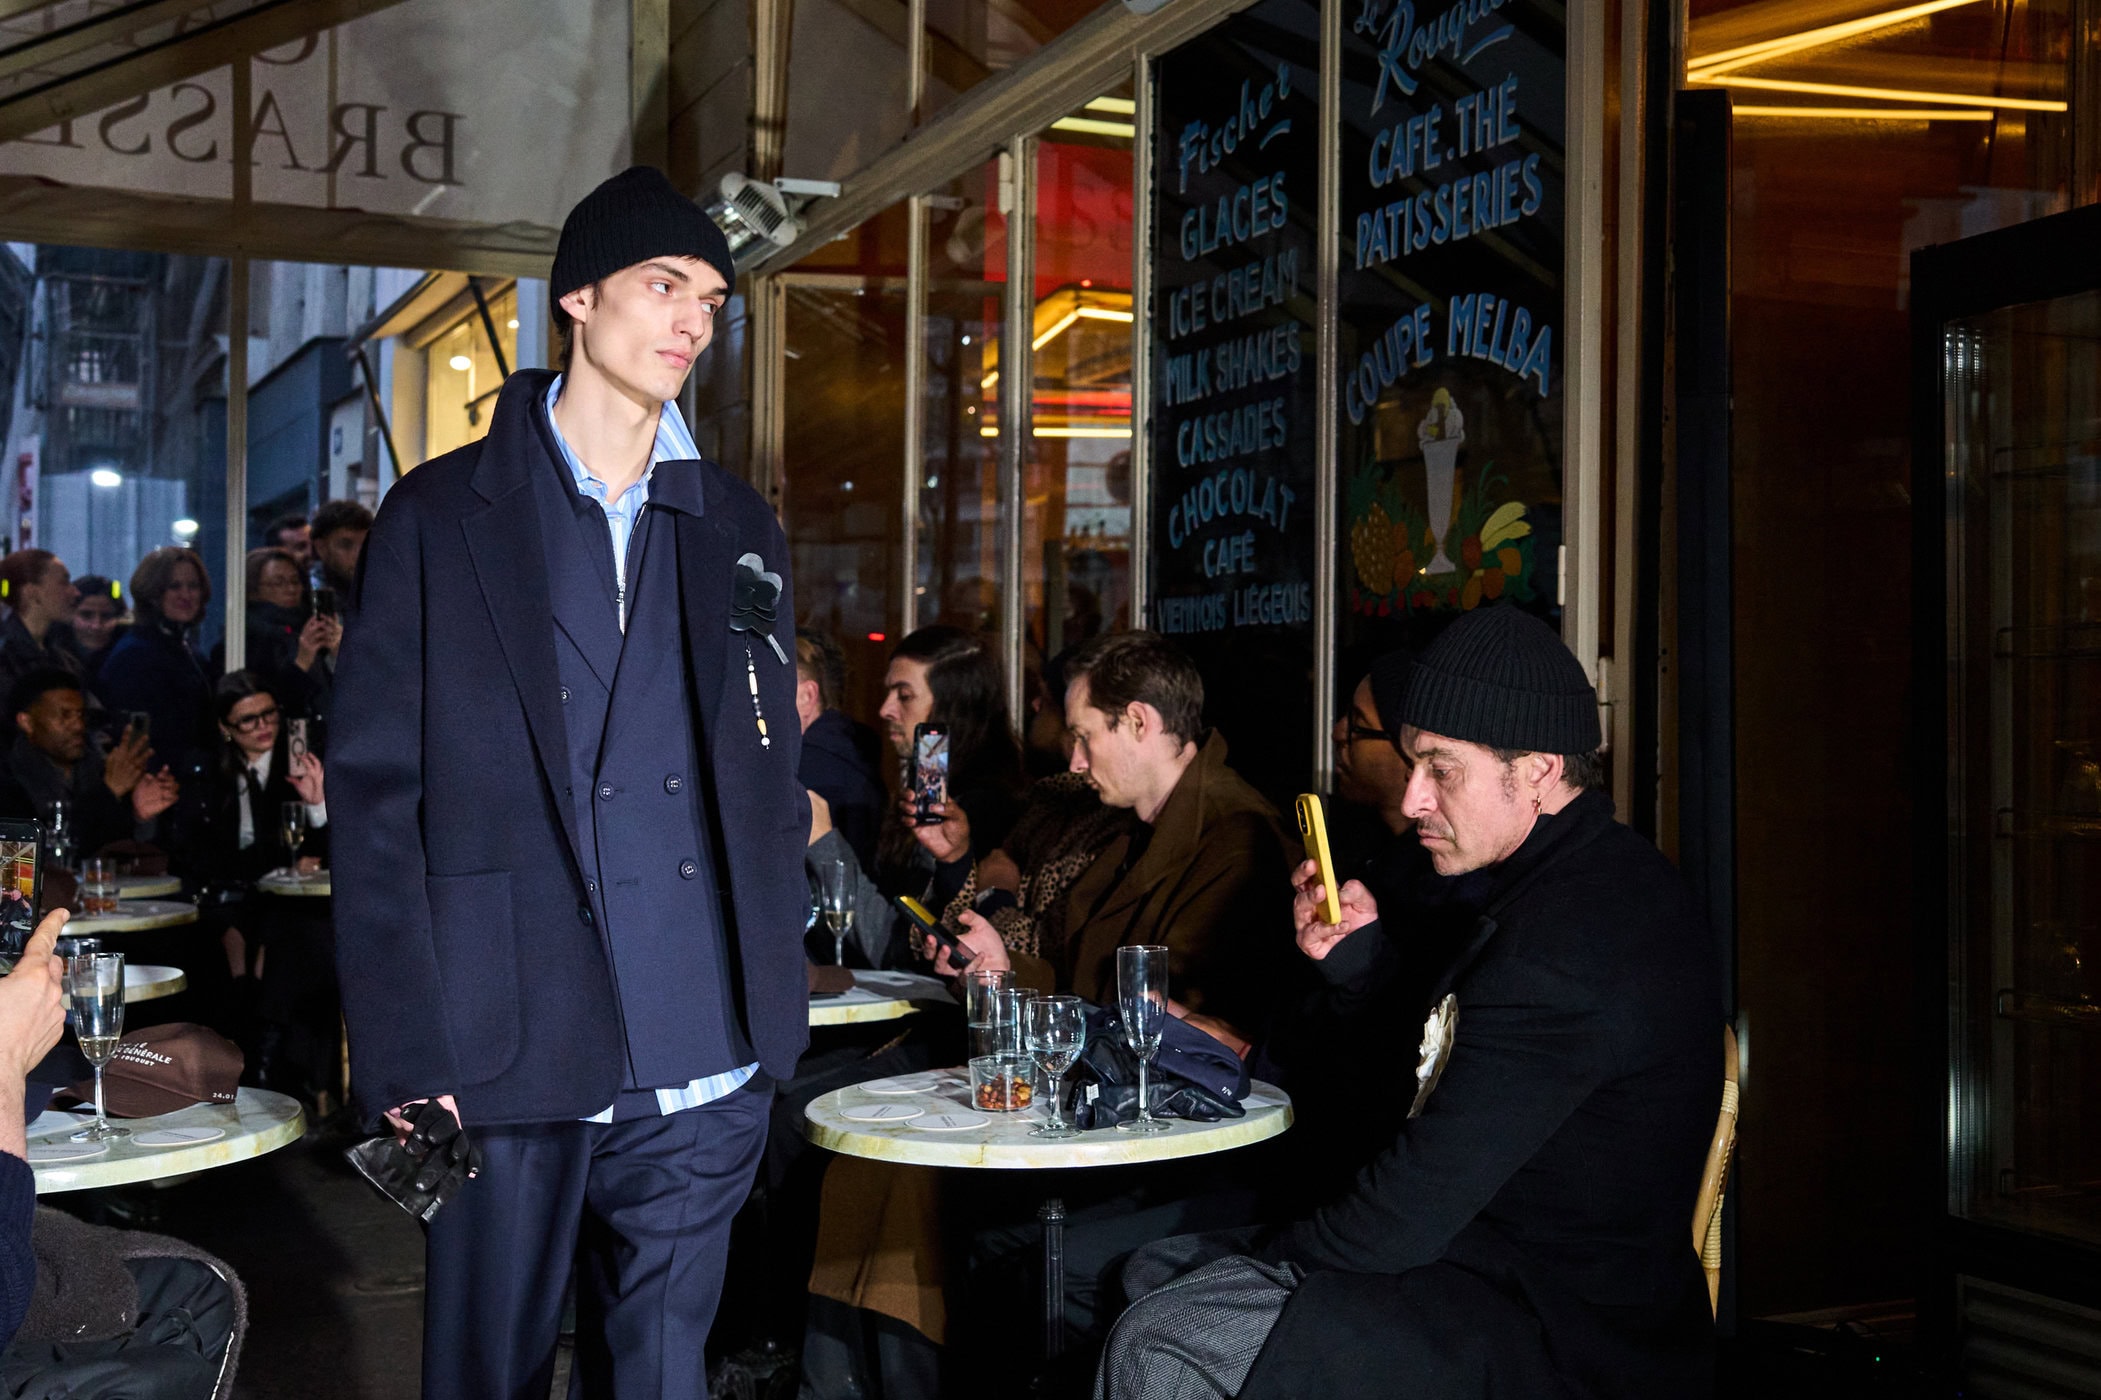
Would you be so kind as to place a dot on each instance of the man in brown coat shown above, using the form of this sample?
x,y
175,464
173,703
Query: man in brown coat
x,y
1197,871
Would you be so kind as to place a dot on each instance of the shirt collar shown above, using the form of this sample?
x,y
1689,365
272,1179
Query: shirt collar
x,y
674,443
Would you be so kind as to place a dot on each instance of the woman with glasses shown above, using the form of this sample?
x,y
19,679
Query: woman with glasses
x,y
237,834
287,641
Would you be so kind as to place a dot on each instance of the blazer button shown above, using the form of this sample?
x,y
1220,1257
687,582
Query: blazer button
x,y
583,911
687,870
605,792
672,783
590,887
565,695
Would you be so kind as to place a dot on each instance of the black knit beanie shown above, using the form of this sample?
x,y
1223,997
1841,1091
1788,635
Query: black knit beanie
x,y
1501,677
1389,690
633,217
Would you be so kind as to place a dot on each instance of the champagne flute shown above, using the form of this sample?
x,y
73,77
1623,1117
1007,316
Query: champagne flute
x,y
1141,995
838,909
291,818
1056,1032
95,984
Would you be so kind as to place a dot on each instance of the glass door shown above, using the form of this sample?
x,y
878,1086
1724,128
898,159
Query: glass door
x,y
2017,554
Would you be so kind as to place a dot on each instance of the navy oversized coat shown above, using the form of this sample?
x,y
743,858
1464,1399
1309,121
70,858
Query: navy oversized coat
x,y
469,959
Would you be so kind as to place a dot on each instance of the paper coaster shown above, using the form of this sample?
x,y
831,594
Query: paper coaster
x,y
177,1137
880,1112
63,1151
951,1122
905,1084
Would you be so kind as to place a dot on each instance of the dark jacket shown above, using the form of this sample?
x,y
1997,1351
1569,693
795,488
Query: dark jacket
x,y
1212,884
836,766
273,654
210,852
20,654
155,669
100,817
470,958
1552,1172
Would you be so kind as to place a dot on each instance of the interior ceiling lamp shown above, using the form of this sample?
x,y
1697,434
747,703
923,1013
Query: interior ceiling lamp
x,y
1700,69
1869,114
1057,314
1102,123
1953,99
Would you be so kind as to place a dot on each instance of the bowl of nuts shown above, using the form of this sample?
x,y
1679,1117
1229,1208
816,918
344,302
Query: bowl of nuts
x,y
1002,1083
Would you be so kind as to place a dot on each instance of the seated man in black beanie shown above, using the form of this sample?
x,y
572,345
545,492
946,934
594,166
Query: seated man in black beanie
x,y
1525,1232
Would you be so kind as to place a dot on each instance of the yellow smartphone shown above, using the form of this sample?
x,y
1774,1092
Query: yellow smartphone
x,y
1313,825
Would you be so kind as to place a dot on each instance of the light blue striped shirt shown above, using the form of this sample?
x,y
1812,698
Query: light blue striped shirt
x,y
674,444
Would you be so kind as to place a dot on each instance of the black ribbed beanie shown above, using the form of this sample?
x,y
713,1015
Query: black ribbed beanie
x,y
633,217
1501,677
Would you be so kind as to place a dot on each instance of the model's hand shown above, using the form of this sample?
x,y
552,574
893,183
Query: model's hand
x,y
1316,938
31,1015
981,941
126,763
950,841
307,780
154,795
820,817
402,1127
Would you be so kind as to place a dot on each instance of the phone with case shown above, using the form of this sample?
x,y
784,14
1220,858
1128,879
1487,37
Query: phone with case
x,y
1313,825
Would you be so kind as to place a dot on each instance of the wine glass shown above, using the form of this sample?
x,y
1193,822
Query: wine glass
x,y
838,908
291,820
1055,1031
95,985
1141,995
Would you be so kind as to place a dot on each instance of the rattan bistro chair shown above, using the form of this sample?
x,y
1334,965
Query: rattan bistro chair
x,y
1707,1210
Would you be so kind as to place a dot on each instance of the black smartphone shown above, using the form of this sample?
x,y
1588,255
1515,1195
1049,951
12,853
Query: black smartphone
x,y
21,885
929,773
137,723
324,602
924,920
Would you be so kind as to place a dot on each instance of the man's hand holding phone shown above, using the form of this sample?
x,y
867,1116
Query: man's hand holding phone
x,y
1316,937
986,950
948,839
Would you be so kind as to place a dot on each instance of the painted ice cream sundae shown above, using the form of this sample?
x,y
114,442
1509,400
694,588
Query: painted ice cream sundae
x,y
1442,433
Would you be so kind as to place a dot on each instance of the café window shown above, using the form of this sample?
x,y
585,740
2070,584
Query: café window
x,y
462,374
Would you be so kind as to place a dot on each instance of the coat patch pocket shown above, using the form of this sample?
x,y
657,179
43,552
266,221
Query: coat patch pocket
x,y
471,929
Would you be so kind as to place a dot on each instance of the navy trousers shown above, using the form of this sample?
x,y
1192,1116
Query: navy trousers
x,y
642,1205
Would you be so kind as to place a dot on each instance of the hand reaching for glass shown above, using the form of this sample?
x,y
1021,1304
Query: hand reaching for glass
x,y
1316,938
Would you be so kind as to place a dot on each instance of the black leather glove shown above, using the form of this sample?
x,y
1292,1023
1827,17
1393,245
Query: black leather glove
x,y
423,1172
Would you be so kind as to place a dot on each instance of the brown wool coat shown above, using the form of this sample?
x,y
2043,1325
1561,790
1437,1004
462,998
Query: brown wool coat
x,y
1214,887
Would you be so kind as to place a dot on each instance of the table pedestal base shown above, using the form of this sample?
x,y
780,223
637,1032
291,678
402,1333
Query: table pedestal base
x,y
1052,1214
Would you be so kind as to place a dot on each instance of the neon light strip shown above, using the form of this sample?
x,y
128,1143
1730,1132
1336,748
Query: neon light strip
x,y
1088,126
1698,68
1958,99
1870,114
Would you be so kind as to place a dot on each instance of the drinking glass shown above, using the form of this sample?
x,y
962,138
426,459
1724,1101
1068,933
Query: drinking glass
x,y
1055,1030
95,985
981,990
291,824
98,886
1141,995
838,908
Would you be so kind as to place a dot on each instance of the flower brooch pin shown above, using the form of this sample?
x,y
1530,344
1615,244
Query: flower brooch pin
x,y
755,598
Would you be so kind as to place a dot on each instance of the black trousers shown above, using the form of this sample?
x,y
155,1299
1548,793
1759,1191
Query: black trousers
x,y
642,1206
176,1352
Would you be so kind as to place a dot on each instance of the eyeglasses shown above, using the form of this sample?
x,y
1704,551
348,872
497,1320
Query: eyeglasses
x,y
1358,731
250,723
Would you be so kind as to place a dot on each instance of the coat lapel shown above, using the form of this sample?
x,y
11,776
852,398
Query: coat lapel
x,y
505,544
707,561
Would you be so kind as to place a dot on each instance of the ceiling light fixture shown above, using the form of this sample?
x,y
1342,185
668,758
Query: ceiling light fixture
x,y
461,363
1698,69
108,478
1870,114
1953,99
1121,106
1088,126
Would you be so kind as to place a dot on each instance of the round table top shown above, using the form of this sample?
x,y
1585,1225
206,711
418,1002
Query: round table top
x,y
280,882
258,1121
148,982
148,886
134,915
880,996
1004,1141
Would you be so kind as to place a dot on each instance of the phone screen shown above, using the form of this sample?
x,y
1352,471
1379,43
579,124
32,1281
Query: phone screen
x,y
20,886
929,772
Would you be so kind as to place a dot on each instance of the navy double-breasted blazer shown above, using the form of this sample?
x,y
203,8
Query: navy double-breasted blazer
x,y
469,958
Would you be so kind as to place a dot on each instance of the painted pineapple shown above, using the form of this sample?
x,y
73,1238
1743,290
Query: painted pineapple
x,y
1371,550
